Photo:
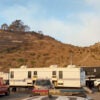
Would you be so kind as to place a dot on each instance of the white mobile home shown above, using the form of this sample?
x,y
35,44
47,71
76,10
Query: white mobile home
x,y
70,76
5,77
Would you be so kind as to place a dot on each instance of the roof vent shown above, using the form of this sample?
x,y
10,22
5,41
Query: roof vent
x,y
53,66
23,66
71,66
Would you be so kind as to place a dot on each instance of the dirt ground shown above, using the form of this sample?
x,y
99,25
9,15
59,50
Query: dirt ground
x,y
95,95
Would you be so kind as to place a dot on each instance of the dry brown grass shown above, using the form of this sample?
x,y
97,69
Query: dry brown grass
x,y
37,50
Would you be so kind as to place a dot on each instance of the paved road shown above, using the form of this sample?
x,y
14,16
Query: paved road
x,y
22,96
95,96
26,96
55,98
15,96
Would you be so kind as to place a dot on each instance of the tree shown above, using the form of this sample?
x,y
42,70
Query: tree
x,y
40,32
18,25
26,28
4,26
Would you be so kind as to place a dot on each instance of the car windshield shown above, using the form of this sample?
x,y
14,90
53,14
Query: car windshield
x,y
43,82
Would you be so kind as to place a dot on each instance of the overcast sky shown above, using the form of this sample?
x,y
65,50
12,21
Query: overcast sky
x,y
74,22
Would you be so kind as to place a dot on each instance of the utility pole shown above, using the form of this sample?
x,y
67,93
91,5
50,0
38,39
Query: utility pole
x,y
71,57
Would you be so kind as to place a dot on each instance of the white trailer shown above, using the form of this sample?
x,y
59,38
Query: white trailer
x,y
70,76
5,77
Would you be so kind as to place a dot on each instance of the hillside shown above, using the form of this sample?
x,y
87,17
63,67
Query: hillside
x,y
37,50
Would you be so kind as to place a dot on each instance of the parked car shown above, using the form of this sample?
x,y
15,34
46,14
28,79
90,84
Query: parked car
x,y
42,86
97,84
4,89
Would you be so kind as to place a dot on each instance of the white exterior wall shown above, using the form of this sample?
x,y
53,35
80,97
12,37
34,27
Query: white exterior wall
x,y
72,77
20,77
4,75
44,74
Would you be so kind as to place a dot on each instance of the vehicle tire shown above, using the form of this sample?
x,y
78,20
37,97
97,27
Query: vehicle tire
x,y
7,93
14,89
99,87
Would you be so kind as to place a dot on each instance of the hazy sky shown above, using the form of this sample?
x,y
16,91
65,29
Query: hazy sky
x,y
74,22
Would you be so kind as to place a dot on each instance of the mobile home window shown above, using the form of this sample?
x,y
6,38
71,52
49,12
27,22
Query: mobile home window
x,y
29,74
54,73
35,72
60,74
12,74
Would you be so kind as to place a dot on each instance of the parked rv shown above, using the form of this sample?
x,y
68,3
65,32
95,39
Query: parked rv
x,y
70,76
5,77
